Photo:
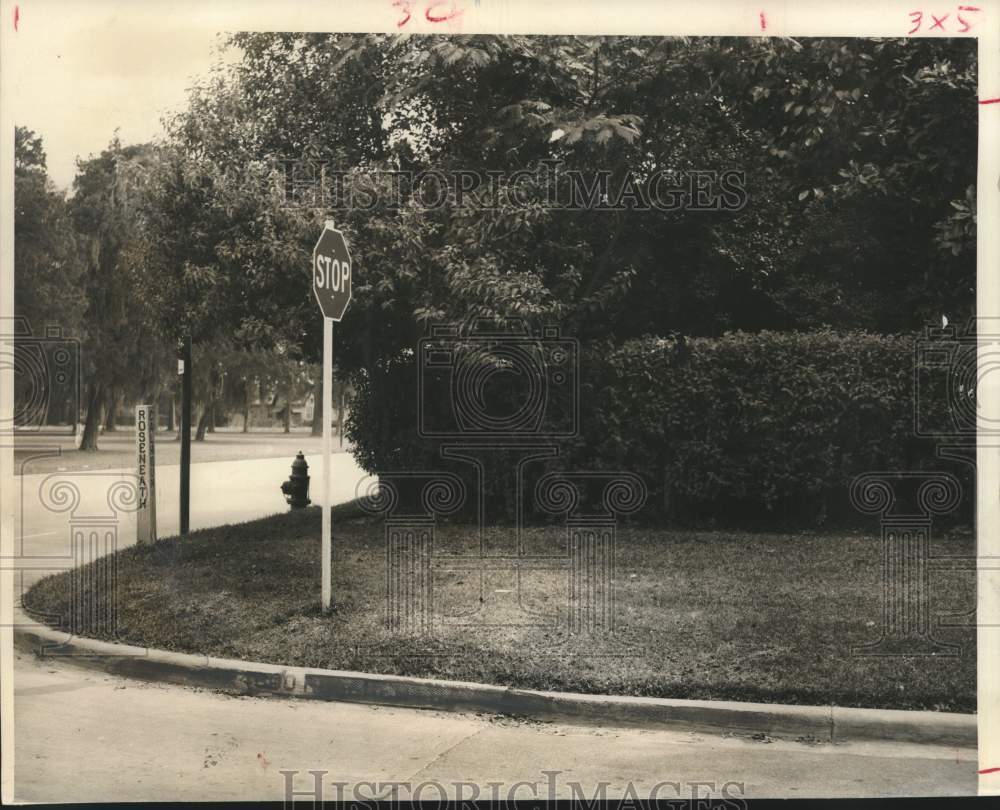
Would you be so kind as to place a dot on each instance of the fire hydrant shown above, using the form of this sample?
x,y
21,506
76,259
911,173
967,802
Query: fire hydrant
x,y
296,488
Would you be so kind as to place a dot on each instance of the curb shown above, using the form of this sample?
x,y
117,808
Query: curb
x,y
819,723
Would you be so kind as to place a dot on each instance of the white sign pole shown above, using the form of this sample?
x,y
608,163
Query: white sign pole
x,y
327,450
331,272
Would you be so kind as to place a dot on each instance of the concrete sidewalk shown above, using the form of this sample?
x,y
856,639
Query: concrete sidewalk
x,y
86,736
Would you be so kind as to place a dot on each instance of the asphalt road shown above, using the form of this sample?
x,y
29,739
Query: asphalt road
x,y
85,736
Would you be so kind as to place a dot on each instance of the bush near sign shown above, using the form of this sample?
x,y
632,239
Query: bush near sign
x,y
332,272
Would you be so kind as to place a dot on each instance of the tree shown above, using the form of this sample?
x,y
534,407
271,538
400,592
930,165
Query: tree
x,y
223,251
855,154
820,243
47,266
117,359
338,391
870,143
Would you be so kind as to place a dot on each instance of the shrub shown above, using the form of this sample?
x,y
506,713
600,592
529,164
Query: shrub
x,y
758,429
765,426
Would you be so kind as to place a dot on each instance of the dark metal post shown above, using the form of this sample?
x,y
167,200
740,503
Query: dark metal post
x,y
185,358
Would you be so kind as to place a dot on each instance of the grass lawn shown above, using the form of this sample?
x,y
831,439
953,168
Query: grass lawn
x,y
716,615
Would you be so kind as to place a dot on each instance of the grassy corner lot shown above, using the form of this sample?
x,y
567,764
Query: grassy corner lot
x,y
710,615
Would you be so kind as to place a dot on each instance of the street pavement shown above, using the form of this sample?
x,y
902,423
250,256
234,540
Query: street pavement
x,y
86,736
48,451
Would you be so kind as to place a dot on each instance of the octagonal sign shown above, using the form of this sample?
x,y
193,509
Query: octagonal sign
x,y
332,272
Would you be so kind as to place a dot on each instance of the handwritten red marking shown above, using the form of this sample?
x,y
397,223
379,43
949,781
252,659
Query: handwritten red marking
x,y
263,760
938,21
763,22
989,101
989,770
916,17
455,12
966,25
404,6
17,16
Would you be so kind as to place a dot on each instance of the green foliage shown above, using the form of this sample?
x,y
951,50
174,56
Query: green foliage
x,y
229,261
856,156
29,153
768,426
47,262
871,144
119,355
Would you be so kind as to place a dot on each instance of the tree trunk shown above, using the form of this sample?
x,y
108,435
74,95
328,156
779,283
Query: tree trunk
x,y
178,418
211,417
170,413
317,425
153,398
288,410
246,408
111,412
202,424
93,420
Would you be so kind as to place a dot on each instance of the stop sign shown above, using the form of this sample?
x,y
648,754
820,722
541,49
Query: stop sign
x,y
332,273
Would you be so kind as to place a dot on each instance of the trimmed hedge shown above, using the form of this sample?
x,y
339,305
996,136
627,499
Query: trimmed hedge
x,y
756,429
767,426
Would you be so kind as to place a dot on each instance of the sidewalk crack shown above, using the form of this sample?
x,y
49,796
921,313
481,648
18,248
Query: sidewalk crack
x,y
441,755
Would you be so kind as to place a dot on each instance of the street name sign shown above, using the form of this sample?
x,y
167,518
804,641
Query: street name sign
x,y
145,448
